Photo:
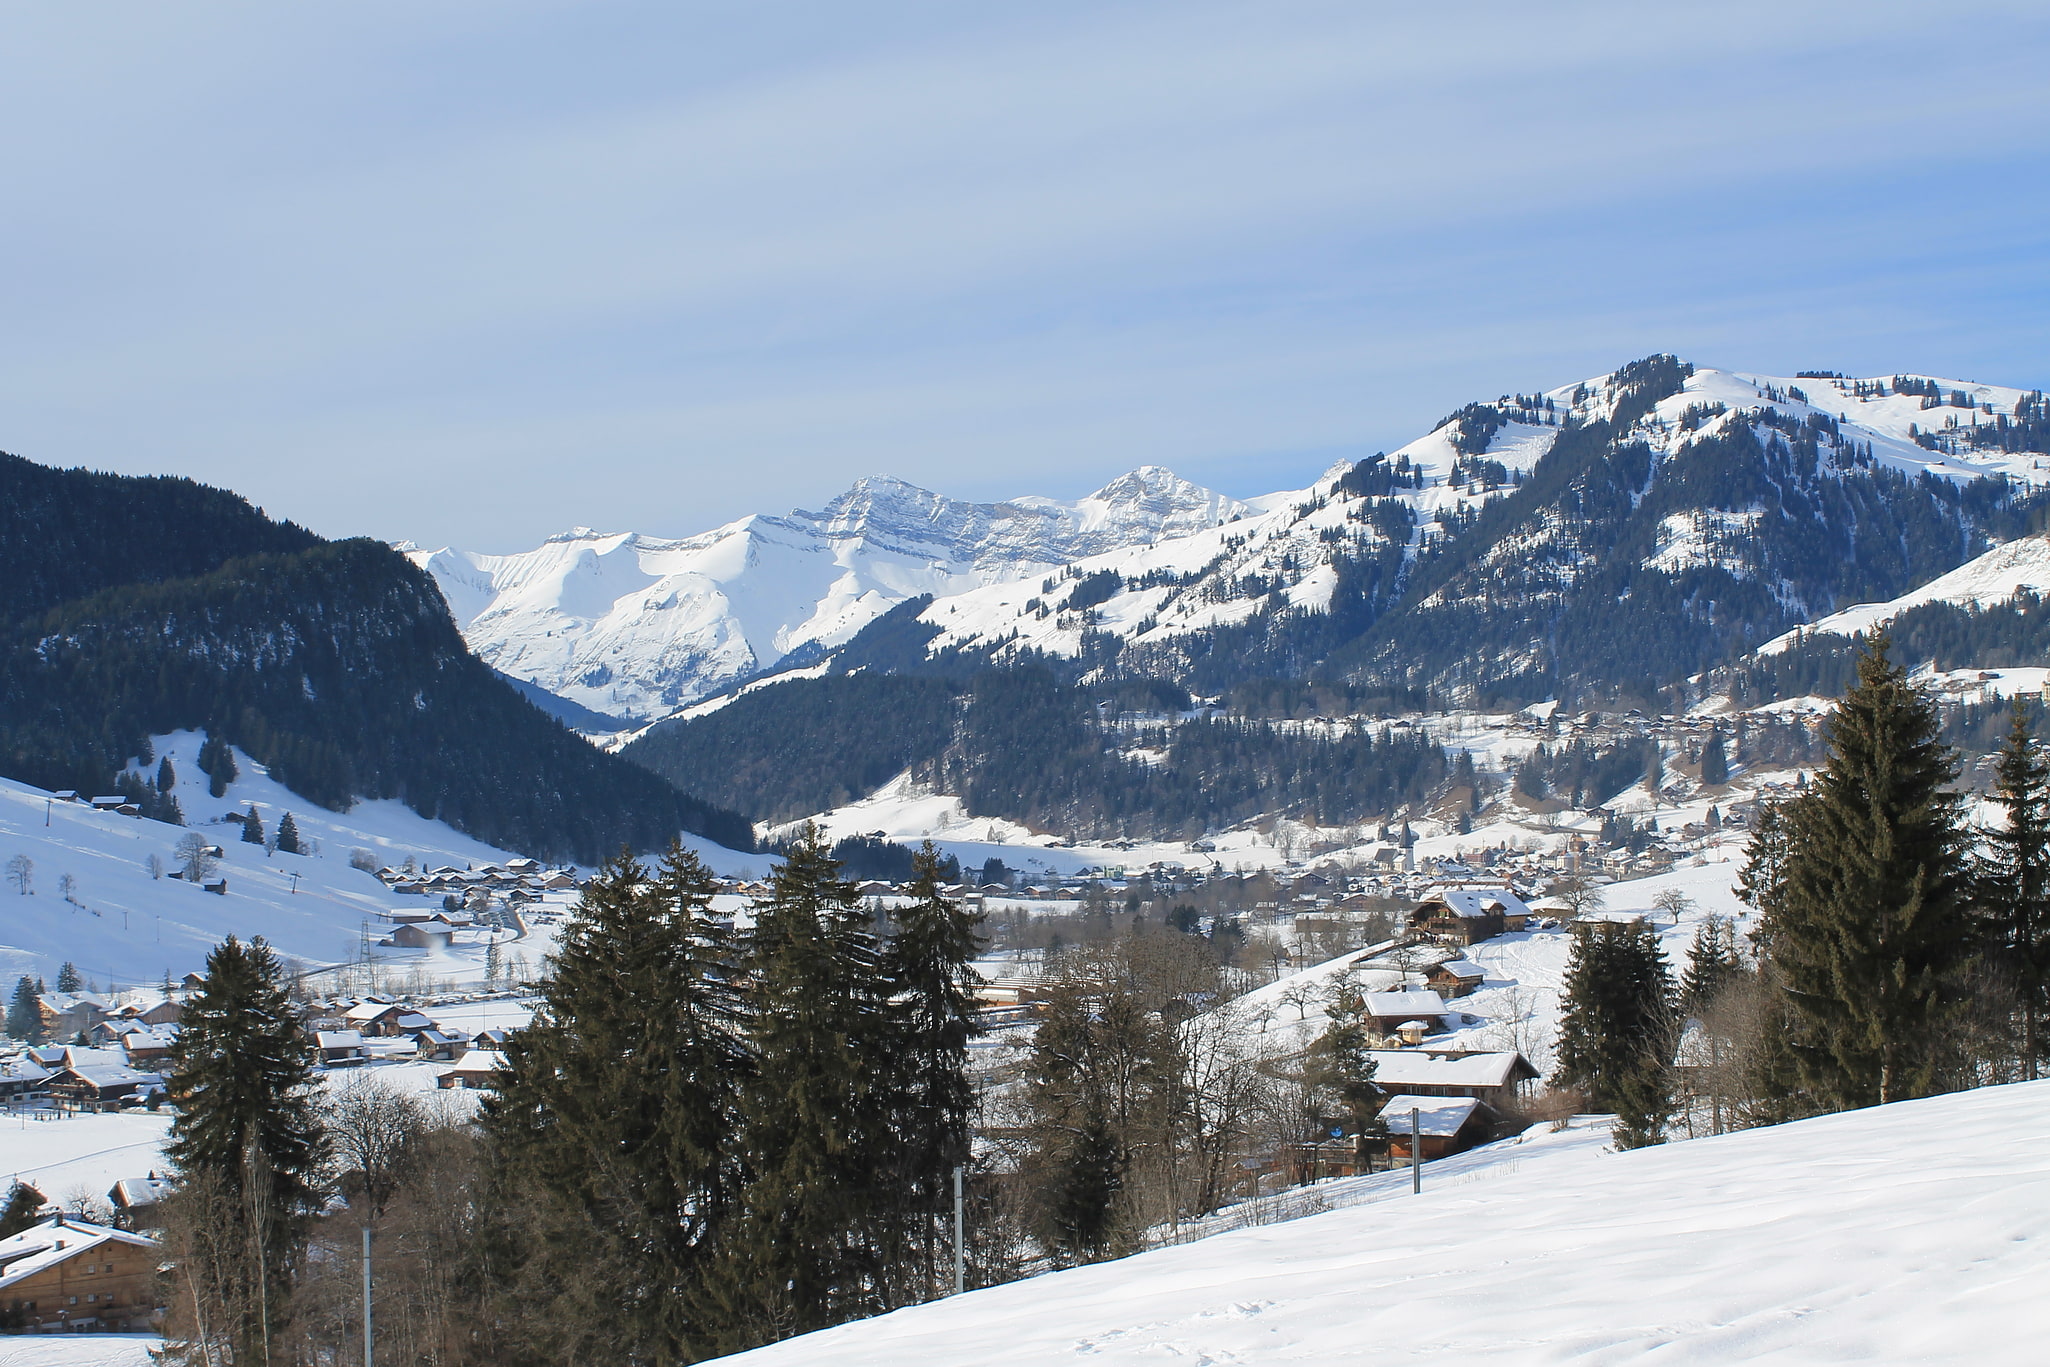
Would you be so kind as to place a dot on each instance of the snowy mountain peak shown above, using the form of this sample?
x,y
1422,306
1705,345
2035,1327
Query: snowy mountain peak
x,y
635,626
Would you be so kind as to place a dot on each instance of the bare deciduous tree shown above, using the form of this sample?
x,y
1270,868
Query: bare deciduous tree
x,y
195,857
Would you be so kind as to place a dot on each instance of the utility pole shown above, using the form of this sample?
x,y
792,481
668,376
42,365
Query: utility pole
x,y
1416,1153
366,1296
960,1227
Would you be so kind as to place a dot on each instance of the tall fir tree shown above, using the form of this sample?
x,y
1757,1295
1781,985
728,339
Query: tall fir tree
x,y
288,835
24,1013
247,1144
1616,1026
2013,885
1762,880
1342,1062
1712,965
615,1120
812,1245
1873,929
69,979
167,777
931,969
1715,762
252,828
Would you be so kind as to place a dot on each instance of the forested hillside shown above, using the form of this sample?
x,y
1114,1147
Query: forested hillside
x,y
334,664
1022,743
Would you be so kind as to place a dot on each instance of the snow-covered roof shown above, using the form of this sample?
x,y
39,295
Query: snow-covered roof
x,y
140,1191
1422,1068
1496,901
1438,1117
1415,1001
368,1011
45,1245
479,1061
339,1039
105,1075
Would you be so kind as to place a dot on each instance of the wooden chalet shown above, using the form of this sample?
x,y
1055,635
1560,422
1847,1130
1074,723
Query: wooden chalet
x,y
1414,1010
338,1048
1467,915
477,1068
1495,1078
1454,978
65,1275
1444,1125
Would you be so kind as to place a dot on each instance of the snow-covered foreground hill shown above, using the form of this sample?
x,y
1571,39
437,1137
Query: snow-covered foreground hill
x,y
1912,1233
635,626
122,925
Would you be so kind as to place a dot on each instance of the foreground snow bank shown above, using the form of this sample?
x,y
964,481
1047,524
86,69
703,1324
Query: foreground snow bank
x,y
1918,1232
78,1350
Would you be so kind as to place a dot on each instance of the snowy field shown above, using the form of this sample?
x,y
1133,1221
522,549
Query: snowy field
x,y
1849,1238
84,1155
77,1350
123,926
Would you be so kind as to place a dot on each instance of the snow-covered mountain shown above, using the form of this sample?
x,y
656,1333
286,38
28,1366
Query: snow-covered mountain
x,y
2019,566
1374,524
634,626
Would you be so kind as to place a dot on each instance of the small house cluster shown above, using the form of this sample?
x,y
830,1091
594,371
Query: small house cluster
x,y
351,1031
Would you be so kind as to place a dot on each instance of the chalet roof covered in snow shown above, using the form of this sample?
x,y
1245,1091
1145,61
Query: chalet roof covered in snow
x,y
1418,1002
1422,1068
1476,902
1438,1117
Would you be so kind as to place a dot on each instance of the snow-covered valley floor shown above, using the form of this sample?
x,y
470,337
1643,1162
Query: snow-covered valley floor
x,y
1913,1233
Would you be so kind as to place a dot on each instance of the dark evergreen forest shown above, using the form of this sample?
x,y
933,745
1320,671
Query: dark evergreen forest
x,y
147,606
1024,743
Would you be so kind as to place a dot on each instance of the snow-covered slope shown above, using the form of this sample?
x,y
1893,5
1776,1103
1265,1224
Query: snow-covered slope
x,y
1287,554
2019,566
1843,1239
124,926
635,626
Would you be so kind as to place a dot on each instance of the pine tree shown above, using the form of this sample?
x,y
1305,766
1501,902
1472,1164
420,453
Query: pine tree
x,y
1712,964
930,964
1762,881
247,1144
252,828
2013,884
217,762
1616,1027
1342,1062
1715,763
69,979
167,777
616,1118
1872,929
22,1210
24,1015
288,834
817,1109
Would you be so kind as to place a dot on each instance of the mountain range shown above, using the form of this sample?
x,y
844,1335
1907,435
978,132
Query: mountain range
x,y
635,626
1631,541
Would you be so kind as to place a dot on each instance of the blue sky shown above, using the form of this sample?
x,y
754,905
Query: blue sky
x,y
476,272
